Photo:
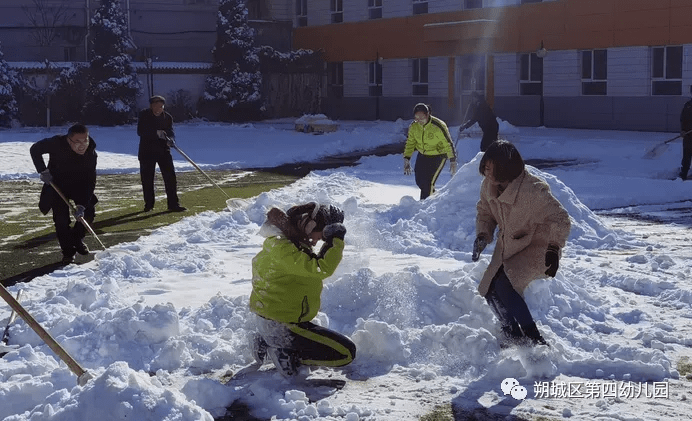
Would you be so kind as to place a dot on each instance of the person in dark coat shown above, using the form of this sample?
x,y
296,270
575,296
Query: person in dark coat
x,y
485,117
72,169
156,136
686,132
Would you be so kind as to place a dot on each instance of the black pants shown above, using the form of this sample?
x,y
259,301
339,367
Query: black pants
x,y
489,136
511,309
310,343
427,169
147,170
686,156
68,236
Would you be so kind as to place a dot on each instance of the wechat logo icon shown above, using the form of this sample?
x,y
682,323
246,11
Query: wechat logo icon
x,y
510,386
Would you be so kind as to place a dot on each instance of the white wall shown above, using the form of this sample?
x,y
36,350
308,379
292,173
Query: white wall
x,y
396,78
438,71
356,79
629,71
506,74
356,10
562,73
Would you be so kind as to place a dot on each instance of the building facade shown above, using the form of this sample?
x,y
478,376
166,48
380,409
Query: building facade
x,y
601,64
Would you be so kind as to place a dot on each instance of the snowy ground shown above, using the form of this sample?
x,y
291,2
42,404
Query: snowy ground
x,y
618,315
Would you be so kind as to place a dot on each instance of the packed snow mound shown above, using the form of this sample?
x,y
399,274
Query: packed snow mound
x,y
445,223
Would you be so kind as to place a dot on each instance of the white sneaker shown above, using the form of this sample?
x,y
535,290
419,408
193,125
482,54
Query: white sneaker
x,y
259,349
284,361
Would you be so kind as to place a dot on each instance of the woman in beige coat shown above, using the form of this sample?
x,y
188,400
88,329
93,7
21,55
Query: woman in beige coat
x,y
532,229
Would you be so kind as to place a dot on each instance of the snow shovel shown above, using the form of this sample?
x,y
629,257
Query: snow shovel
x,y
658,150
174,146
81,218
459,135
83,376
4,349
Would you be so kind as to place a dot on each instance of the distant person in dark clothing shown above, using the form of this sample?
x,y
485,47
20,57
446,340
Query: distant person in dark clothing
x,y
72,169
155,130
485,117
685,128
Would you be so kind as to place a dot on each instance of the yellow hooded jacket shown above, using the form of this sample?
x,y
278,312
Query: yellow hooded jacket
x,y
287,281
431,139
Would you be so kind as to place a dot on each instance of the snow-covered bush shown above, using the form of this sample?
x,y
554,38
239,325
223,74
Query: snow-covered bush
x,y
180,105
10,83
67,93
233,90
113,84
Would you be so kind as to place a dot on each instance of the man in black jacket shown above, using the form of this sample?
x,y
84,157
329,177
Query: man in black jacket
x,y
155,130
484,115
72,169
685,128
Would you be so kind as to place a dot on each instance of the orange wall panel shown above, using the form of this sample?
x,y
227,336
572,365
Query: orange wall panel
x,y
642,19
561,25
589,7
627,5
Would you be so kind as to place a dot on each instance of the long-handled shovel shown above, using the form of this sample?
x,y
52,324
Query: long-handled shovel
x,y
83,376
6,334
81,218
174,146
459,136
658,150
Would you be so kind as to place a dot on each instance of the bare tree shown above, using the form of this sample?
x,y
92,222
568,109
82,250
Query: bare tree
x,y
47,18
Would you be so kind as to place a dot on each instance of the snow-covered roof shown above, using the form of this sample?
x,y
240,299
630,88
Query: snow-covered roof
x,y
169,65
159,65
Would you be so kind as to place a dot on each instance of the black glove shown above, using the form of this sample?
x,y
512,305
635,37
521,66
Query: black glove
x,y
335,215
478,246
170,142
552,260
46,176
335,230
79,212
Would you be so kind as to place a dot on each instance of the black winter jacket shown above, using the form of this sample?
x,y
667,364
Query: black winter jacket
x,y
686,117
484,115
73,174
147,125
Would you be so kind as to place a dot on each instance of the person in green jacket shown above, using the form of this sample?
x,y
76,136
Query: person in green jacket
x,y
287,281
429,136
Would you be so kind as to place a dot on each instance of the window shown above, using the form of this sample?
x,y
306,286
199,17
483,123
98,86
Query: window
x,y
530,74
473,4
335,74
420,76
302,12
337,8
666,70
375,78
375,9
594,72
420,7
70,53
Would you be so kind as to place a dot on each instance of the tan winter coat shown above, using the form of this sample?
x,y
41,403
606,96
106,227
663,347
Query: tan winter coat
x,y
529,218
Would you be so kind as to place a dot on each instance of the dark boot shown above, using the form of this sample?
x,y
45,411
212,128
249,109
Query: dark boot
x,y
535,336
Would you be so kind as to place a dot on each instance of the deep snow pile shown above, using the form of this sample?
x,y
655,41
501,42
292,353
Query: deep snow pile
x,y
420,319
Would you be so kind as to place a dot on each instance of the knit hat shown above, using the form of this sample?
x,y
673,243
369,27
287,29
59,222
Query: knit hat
x,y
157,98
420,107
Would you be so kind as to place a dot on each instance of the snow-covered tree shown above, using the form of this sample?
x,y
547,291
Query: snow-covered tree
x,y
113,84
10,83
234,88
67,92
